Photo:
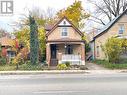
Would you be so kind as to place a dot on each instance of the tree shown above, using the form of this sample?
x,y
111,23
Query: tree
x,y
23,36
42,44
4,33
0,50
75,13
34,44
24,39
113,49
87,47
42,18
108,9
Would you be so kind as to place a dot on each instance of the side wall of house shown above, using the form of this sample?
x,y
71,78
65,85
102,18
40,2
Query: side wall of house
x,y
113,31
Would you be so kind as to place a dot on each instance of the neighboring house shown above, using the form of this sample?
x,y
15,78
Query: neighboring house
x,y
7,45
116,28
64,44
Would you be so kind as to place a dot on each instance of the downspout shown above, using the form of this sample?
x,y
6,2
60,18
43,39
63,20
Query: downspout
x,y
94,51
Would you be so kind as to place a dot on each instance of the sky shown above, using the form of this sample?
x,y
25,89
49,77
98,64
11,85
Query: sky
x,y
23,6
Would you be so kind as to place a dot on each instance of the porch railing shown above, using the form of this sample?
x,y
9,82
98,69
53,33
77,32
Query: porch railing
x,y
72,58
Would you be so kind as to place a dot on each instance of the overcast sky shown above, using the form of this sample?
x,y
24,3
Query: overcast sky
x,y
22,6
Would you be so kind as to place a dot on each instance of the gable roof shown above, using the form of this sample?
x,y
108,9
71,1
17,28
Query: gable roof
x,y
49,27
5,41
109,25
52,28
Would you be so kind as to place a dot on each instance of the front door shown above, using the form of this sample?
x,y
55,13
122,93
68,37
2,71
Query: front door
x,y
54,60
53,51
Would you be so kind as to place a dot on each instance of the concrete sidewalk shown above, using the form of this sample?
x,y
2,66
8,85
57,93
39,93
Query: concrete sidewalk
x,y
93,66
62,72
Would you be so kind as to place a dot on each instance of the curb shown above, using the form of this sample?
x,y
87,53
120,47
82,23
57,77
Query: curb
x,y
62,72
43,72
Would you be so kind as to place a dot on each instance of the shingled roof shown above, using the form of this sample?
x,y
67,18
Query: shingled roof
x,y
109,25
49,27
5,41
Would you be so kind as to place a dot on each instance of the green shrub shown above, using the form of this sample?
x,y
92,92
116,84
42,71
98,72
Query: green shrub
x,y
113,49
62,67
83,68
11,61
67,64
105,63
30,67
3,61
75,66
7,67
28,62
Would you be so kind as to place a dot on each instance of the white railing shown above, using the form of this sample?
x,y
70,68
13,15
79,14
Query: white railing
x,y
72,58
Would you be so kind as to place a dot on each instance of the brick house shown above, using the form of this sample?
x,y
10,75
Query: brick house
x,y
7,45
116,28
64,43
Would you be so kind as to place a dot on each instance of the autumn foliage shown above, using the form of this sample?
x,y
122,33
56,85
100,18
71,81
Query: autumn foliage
x,y
113,49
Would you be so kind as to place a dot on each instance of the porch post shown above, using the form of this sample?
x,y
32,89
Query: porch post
x,y
83,53
59,58
48,54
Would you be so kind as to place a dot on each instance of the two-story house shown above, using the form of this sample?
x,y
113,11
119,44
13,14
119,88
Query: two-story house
x,y
64,44
116,28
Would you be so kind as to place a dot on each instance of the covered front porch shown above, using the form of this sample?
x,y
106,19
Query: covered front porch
x,y
61,52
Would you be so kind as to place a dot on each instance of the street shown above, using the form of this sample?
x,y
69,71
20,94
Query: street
x,y
64,84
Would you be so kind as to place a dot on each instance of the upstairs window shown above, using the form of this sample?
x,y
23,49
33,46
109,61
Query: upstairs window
x,y
64,32
121,29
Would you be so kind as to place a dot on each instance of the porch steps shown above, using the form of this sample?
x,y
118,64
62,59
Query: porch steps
x,y
53,62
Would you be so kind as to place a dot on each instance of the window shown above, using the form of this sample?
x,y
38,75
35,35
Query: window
x,y
64,32
97,51
64,22
69,49
11,54
121,29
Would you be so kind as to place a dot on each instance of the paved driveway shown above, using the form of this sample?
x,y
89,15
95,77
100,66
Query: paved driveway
x,y
93,66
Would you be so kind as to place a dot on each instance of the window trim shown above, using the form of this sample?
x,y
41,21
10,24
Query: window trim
x,y
121,28
62,30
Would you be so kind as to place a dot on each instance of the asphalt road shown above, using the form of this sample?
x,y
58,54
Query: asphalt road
x,y
64,84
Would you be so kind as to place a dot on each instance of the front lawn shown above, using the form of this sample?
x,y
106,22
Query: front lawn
x,y
121,65
11,67
7,67
40,67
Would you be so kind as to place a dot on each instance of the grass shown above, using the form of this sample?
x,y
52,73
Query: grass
x,y
106,64
40,67
31,67
8,67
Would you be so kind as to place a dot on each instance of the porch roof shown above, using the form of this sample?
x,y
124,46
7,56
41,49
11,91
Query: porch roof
x,y
65,40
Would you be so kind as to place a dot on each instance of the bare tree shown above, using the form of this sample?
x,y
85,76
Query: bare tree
x,y
108,9
41,16
4,33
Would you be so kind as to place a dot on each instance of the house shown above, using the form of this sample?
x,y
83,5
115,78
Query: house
x,y
7,45
64,44
116,28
